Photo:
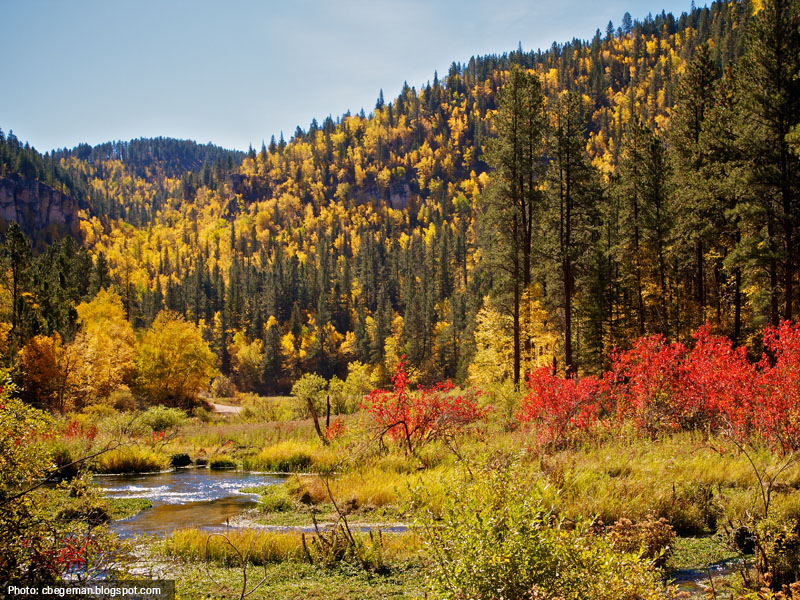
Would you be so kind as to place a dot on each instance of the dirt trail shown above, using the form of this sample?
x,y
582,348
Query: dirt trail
x,y
224,409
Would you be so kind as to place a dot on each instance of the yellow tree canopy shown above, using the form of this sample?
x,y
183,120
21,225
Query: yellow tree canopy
x,y
494,345
103,349
173,361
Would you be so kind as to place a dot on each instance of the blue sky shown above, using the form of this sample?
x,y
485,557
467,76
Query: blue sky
x,y
235,72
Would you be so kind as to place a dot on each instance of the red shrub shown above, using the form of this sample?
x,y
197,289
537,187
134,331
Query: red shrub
x,y
661,386
415,417
719,385
335,430
561,405
77,430
645,383
777,413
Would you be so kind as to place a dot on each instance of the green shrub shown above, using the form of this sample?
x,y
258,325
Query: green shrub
x,y
203,414
778,552
161,418
223,387
63,453
310,390
274,498
91,510
122,399
497,539
219,463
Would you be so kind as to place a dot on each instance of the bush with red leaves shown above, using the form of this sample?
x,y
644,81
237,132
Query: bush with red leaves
x,y
644,384
660,386
414,417
561,405
777,410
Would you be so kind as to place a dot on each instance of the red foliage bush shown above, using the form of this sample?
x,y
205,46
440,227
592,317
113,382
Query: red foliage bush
x,y
660,386
777,410
718,385
644,384
561,405
416,417
335,430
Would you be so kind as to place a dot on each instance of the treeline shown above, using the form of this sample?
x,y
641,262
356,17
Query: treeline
x,y
149,156
370,236
22,161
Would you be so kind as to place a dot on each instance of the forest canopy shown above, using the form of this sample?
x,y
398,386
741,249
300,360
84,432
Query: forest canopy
x,y
527,209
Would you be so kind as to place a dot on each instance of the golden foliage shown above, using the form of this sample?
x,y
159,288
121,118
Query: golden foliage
x,y
173,361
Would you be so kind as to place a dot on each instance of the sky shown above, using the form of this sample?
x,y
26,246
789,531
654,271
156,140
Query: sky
x,y
237,72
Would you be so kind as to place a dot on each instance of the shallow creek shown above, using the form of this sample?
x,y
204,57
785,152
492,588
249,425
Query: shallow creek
x,y
184,498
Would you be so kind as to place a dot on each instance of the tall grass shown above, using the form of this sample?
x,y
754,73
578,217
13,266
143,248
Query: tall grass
x,y
221,463
370,488
688,479
293,456
265,546
373,548
130,459
198,438
275,408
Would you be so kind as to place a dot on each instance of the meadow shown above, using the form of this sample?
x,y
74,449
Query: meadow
x,y
674,472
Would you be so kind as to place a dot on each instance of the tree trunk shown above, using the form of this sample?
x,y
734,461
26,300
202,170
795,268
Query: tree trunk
x,y
312,409
568,362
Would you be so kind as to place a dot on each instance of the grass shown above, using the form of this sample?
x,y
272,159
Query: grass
x,y
298,581
691,481
273,498
123,508
89,506
273,408
699,552
367,488
130,459
293,456
267,546
221,463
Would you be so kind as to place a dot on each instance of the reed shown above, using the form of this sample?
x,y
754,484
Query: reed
x,y
130,459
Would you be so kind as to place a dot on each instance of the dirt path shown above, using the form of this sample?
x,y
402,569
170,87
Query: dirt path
x,y
224,409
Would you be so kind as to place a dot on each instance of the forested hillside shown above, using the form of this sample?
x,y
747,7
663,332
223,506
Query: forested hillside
x,y
657,190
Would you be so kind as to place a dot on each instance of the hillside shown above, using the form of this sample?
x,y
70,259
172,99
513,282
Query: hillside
x,y
367,237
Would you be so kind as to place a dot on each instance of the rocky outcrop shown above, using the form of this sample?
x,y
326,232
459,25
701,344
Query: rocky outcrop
x,y
37,207
399,194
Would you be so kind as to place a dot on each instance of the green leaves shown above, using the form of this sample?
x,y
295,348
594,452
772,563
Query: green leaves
x,y
497,539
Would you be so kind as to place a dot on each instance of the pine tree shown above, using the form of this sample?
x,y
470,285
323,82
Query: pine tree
x,y
769,96
573,196
701,220
512,206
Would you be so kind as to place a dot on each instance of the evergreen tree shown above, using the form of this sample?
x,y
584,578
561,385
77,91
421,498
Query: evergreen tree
x,y
574,192
513,205
769,97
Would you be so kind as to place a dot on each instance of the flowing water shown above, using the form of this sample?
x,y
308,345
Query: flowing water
x,y
184,498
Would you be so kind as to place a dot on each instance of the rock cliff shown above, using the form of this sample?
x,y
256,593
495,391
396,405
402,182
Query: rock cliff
x,y
37,207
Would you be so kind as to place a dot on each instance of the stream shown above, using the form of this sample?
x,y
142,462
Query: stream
x,y
206,499
198,498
